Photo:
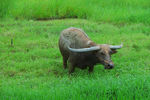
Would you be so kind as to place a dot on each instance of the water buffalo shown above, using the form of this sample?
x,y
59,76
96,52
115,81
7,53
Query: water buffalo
x,y
76,47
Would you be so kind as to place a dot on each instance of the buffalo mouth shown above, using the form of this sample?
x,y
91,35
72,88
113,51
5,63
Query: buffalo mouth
x,y
109,67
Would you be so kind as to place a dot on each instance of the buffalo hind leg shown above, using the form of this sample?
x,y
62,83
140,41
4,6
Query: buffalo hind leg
x,y
65,62
91,69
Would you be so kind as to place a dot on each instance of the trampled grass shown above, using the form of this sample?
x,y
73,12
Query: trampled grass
x,y
31,67
116,11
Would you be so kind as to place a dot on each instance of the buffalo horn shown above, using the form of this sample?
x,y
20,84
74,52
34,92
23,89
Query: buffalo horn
x,y
116,46
84,49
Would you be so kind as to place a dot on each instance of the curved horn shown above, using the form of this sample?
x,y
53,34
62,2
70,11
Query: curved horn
x,y
116,46
84,49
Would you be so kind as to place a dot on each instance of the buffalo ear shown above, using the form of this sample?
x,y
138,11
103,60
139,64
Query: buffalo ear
x,y
113,51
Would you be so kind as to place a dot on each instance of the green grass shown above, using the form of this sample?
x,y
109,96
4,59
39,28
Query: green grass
x,y
31,68
116,11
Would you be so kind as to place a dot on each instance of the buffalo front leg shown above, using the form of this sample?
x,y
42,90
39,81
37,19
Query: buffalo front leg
x,y
91,69
71,64
71,68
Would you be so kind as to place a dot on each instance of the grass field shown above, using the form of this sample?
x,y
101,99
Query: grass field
x,y
116,11
30,62
31,66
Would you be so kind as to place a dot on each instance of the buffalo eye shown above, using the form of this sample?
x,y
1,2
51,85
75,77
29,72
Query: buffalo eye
x,y
113,51
102,53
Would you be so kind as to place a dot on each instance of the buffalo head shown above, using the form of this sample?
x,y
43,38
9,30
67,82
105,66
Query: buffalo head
x,y
102,52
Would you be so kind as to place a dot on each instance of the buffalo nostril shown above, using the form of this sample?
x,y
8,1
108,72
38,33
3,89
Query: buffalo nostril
x,y
110,65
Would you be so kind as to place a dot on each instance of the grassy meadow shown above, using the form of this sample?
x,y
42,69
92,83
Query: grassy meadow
x,y
31,65
116,11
